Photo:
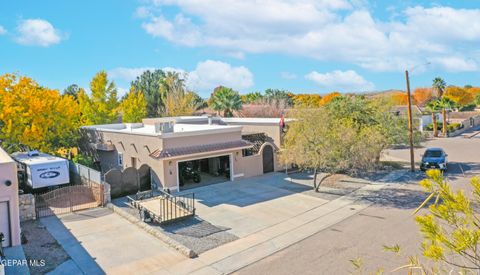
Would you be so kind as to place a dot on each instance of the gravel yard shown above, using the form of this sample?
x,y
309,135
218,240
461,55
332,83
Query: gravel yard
x,y
42,246
194,233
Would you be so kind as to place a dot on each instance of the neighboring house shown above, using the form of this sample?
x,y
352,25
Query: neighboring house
x,y
220,148
423,119
9,215
467,119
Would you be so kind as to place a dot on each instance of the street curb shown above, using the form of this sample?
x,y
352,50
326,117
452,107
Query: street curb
x,y
156,233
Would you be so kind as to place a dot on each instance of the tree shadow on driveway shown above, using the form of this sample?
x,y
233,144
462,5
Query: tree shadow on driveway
x,y
401,198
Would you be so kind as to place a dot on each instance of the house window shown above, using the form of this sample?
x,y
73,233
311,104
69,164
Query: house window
x,y
247,152
120,159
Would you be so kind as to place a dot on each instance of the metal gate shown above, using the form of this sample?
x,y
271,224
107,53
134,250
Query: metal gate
x,y
68,199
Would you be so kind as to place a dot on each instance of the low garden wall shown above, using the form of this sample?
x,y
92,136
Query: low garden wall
x,y
26,207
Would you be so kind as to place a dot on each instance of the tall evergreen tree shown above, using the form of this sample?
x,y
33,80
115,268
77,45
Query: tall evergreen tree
x,y
149,83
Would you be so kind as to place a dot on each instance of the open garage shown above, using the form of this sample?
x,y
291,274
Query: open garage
x,y
200,172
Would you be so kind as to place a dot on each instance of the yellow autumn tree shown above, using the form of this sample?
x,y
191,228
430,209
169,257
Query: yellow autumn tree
x,y
327,98
459,95
307,100
101,107
422,96
134,107
35,117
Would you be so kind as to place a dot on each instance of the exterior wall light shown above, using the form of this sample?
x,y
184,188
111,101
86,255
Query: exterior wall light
x,y
8,182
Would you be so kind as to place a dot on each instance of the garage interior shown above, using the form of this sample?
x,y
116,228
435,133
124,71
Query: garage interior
x,y
202,172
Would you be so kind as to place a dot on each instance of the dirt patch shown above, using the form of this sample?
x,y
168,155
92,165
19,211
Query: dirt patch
x,y
340,181
41,246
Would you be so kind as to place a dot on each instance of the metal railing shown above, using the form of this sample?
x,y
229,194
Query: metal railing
x,y
175,207
170,207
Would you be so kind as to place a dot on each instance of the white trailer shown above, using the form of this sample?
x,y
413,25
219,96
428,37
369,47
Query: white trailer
x,y
43,170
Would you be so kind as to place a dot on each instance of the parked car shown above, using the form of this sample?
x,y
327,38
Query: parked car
x,y
434,158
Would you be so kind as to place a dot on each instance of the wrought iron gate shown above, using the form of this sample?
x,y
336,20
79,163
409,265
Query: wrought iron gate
x,y
68,199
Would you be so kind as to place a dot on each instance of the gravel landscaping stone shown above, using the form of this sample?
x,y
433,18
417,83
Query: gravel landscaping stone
x,y
194,233
41,246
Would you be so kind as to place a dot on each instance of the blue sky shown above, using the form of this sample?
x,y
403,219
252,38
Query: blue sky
x,y
306,46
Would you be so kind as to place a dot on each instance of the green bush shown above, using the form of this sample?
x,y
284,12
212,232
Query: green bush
x,y
468,107
84,160
451,127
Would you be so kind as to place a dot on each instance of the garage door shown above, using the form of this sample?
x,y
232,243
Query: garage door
x,y
5,223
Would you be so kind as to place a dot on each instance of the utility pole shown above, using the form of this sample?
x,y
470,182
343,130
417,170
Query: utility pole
x,y
410,124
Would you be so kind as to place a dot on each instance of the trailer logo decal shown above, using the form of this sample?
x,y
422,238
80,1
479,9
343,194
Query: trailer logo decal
x,y
49,175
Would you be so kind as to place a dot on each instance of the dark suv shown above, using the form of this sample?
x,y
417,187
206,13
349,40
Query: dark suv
x,y
434,158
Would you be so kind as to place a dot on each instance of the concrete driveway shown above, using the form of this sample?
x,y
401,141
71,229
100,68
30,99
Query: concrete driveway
x,y
99,241
253,204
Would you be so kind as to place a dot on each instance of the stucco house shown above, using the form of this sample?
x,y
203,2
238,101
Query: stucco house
x,y
9,213
220,149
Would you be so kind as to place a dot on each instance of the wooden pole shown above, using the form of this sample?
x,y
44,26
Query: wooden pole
x,y
410,124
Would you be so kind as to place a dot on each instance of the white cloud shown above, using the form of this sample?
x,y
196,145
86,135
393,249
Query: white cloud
x,y
142,12
453,63
127,74
2,30
340,30
210,74
205,77
37,32
341,80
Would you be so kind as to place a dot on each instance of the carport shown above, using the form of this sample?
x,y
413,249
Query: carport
x,y
197,172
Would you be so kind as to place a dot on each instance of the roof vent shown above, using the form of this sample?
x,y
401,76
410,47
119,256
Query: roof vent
x,y
164,127
33,153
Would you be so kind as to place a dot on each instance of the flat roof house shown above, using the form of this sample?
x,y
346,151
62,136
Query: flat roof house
x,y
9,213
179,150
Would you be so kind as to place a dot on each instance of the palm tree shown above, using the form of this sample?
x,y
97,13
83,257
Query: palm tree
x,y
173,85
226,100
445,104
438,86
433,108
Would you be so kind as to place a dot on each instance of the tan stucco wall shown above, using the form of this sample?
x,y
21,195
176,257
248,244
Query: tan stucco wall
x,y
250,166
8,171
109,159
184,141
272,131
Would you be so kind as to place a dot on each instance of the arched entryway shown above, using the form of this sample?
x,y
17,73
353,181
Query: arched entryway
x,y
267,154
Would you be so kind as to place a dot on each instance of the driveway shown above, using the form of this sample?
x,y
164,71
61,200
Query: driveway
x,y
99,241
253,204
